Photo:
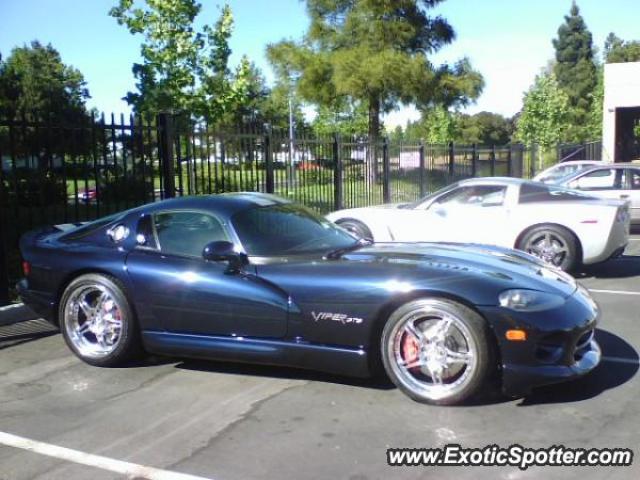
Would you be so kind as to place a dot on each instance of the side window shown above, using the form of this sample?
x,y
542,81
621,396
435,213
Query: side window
x,y
634,174
145,235
603,179
479,195
185,233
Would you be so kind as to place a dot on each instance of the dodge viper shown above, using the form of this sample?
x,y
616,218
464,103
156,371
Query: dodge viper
x,y
563,227
254,278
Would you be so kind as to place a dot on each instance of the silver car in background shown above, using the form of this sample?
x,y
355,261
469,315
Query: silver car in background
x,y
610,180
560,170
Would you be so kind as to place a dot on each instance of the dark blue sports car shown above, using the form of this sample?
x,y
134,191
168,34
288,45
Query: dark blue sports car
x,y
254,278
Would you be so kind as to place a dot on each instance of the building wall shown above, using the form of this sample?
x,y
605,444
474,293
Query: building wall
x,y
621,89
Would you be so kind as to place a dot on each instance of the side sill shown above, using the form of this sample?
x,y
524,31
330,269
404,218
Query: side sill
x,y
325,358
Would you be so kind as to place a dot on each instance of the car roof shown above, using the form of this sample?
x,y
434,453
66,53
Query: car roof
x,y
577,162
222,203
494,181
616,165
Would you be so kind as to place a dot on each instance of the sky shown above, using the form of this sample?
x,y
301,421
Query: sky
x,y
508,41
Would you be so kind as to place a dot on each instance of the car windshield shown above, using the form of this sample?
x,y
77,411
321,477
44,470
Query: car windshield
x,y
559,172
424,200
288,230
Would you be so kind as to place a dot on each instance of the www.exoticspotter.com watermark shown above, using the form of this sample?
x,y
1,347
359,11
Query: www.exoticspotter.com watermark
x,y
454,455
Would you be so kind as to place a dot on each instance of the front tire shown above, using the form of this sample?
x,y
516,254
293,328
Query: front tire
x,y
97,321
437,351
552,244
356,227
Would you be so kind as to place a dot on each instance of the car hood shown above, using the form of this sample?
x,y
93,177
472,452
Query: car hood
x,y
516,268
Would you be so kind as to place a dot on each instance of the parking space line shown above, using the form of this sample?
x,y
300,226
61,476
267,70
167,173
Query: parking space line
x,y
614,292
131,470
630,361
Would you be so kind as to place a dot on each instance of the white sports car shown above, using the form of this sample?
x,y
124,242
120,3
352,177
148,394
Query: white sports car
x,y
561,226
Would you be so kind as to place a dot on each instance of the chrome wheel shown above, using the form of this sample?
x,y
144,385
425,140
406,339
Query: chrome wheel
x,y
93,320
432,351
549,247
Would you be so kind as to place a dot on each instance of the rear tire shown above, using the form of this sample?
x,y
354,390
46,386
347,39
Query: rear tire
x,y
97,321
437,351
357,228
552,244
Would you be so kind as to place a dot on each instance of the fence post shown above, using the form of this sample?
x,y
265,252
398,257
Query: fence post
x,y
4,267
474,160
493,160
452,159
386,172
509,160
422,168
337,174
268,163
165,121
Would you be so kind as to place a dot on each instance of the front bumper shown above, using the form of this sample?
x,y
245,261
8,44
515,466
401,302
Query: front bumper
x,y
560,344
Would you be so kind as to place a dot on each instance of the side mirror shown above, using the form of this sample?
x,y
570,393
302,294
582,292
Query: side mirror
x,y
223,251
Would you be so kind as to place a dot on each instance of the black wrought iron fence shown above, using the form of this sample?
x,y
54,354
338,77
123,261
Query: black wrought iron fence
x,y
59,173
579,151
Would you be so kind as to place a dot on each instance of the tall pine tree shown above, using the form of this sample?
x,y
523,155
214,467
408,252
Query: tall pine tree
x,y
375,52
575,70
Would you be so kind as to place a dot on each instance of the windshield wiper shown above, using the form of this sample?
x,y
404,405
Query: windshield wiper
x,y
338,252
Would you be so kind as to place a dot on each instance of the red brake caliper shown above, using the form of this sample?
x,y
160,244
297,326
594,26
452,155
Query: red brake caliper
x,y
410,349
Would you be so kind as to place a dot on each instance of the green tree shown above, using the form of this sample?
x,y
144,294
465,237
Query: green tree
x,y
436,125
484,128
575,70
346,117
375,52
35,82
183,69
545,114
617,50
594,121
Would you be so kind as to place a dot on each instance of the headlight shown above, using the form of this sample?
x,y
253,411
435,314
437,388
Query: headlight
x,y
529,300
587,297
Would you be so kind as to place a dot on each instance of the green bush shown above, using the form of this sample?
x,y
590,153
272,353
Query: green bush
x,y
31,188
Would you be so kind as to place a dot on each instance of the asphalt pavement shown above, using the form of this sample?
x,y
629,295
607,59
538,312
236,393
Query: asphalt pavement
x,y
176,419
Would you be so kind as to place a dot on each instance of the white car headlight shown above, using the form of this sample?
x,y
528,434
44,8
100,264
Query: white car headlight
x,y
586,295
529,300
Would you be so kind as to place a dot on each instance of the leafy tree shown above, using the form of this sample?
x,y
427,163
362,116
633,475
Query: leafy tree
x,y
183,69
545,113
484,128
437,125
575,69
35,82
263,106
594,123
617,50
397,135
348,118
375,52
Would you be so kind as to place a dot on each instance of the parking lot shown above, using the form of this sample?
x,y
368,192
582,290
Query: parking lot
x,y
167,417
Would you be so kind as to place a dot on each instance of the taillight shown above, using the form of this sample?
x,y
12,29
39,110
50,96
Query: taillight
x,y
26,268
